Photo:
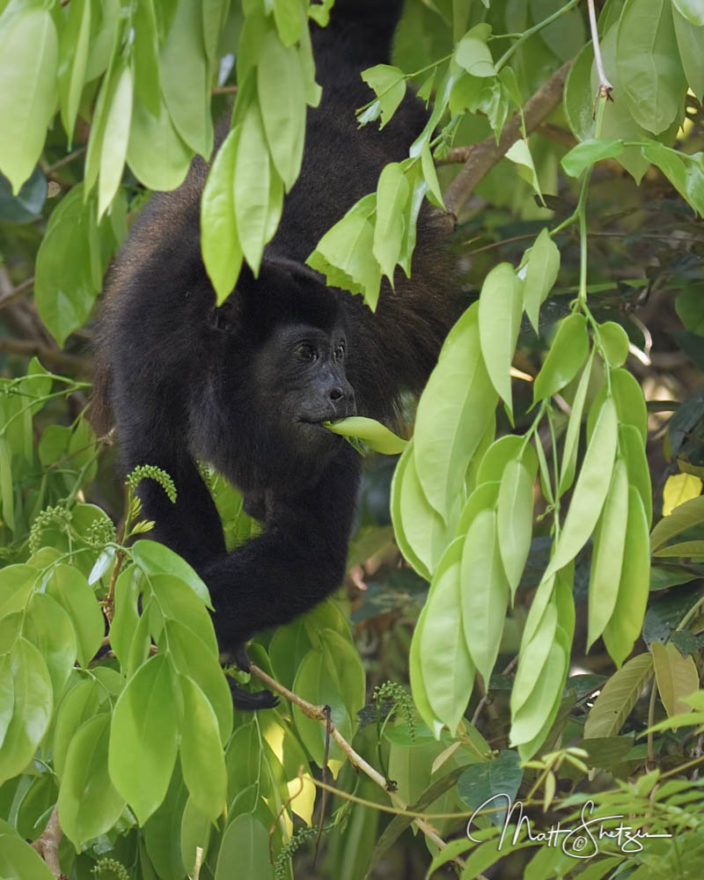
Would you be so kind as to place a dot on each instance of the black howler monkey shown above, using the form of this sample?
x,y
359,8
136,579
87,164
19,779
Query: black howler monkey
x,y
247,385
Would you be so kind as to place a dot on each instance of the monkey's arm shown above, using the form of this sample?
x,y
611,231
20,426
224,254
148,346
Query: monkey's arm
x,y
296,562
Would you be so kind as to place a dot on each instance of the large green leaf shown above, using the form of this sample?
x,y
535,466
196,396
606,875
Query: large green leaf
x,y
282,100
453,411
500,307
202,760
244,851
88,804
648,63
32,708
448,671
29,49
590,492
144,737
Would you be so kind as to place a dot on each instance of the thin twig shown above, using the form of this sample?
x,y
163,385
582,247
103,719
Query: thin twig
x,y
482,157
317,713
605,87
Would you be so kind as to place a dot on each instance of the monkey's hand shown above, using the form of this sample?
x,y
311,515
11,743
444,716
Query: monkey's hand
x,y
248,700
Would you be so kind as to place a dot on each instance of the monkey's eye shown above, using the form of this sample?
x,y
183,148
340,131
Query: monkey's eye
x,y
306,352
339,351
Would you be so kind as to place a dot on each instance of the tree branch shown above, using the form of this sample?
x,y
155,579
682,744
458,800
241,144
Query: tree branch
x,y
51,356
47,844
480,158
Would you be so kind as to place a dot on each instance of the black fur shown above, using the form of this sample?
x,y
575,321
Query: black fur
x,y
233,386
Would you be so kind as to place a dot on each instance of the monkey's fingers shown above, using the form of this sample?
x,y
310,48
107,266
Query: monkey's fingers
x,y
252,700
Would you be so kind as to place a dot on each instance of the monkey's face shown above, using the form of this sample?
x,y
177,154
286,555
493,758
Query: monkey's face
x,y
301,382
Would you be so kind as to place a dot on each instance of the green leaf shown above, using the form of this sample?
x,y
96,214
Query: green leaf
x,y
648,63
687,515
589,152
485,592
590,492
290,20
32,708
452,414
126,615
104,26
500,305
144,737
392,195
74,42
64,286
115,138
389,84
49,629
629,400
574,425
155,558
497,456
373,433
79,704
344,253
515,518
632,448
539,275
156,154
416,677
692,10
676,677
147,81
194,658
70,588
685,172
472,54
331,675
618,697
177,601
18,860
689,305
244,851
201,751
608,554
532,720
252,184
420,531
29,50
7,491
567,354
185,80
614,340
430,176
282,101
532,657
689,42
88,804
481,782
693,549
448,671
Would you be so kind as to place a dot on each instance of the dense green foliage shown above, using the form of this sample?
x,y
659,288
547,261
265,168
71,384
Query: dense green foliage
x,y
521,507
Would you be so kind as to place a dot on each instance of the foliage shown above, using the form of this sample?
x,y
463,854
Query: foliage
x,y
524,491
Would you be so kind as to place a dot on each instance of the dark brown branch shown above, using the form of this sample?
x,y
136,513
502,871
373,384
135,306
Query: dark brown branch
x,y
49,356
480,158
